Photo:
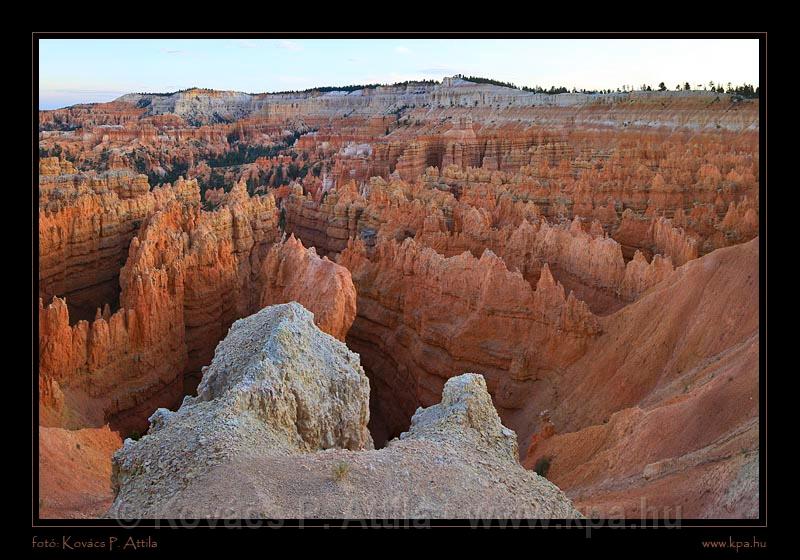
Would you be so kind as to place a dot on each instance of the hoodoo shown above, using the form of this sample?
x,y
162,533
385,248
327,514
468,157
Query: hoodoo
x,y
356,302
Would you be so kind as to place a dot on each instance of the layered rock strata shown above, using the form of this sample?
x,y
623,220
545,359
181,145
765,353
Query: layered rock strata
x,y
422,318
651,430
531,238
188,276
85,231
676,109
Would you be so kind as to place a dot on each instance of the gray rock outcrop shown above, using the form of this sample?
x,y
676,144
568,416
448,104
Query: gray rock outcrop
x,y
278,429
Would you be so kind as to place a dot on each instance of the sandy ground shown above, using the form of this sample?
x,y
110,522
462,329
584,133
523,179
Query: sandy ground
x,y
75,471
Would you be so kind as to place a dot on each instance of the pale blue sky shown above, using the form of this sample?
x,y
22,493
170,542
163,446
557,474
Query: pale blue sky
x,y
90,70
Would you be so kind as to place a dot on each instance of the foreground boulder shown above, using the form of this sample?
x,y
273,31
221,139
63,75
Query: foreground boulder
x,y
279,430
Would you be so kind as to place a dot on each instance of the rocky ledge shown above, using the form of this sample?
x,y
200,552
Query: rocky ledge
x,y
278,429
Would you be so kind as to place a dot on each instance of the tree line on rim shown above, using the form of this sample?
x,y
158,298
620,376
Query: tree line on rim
x,y
745,90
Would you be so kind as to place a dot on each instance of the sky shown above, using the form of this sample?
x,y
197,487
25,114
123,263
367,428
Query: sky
x,y
95,70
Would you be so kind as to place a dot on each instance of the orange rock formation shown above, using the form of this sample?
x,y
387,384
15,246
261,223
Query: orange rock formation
x,y
423,318
647,429
188,276
292,273
594,257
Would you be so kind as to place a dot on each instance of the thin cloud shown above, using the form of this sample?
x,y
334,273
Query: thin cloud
x,y
400,49
290,46
172,51
246,43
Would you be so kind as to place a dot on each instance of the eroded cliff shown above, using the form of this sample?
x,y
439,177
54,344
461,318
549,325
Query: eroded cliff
x,y
645,429
583,253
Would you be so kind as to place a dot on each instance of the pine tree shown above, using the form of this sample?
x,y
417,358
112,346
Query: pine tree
x,y
282,219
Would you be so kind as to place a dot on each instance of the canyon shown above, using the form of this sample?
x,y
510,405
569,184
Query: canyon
x,y
578,271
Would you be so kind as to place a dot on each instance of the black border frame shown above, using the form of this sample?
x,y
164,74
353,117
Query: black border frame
x,y
695,529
